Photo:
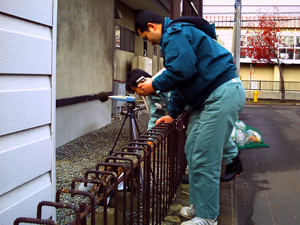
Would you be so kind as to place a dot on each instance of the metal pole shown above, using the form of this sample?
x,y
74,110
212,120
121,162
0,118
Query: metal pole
x,y
250,80
238,6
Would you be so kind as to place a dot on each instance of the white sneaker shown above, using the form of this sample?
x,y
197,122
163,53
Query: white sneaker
x,y
188,212
200,221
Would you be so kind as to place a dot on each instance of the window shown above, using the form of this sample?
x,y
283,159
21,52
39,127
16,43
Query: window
x,y
245,43
124,39
289,41
288,50
117,35
297,48
297,54
243,51
297,41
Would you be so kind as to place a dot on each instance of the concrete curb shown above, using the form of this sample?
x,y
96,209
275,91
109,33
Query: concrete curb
x,y
273,104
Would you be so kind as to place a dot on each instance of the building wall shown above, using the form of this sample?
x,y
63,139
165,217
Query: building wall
x,y
270,72
123,64
128,16
27,74
89,116
258,72
291,72
224,37
84,65
139,46
123,59
84,47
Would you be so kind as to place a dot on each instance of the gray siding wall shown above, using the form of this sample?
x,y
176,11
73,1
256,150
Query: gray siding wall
x,y
26,90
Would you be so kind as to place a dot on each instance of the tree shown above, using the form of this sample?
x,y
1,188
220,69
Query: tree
x,y
263,42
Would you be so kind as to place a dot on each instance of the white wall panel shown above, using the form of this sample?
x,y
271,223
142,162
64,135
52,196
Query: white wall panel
x,y
24,54
39,11
27,68
21,82
23,201
24,156
24,163
24,109
17,25
25,102
23,138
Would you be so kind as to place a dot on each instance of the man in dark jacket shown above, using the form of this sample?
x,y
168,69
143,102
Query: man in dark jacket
x,y
199,73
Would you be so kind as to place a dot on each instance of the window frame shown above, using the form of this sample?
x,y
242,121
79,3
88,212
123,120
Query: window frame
x,y
291,52
124,39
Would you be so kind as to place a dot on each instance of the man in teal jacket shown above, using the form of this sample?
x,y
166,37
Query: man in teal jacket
x,y
200,73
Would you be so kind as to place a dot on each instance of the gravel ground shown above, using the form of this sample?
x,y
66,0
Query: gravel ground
x,y
83,153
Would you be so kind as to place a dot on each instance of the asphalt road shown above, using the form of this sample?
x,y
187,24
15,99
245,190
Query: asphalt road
x,y
268,190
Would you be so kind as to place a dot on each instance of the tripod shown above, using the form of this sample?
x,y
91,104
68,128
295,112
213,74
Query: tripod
x,y
133,127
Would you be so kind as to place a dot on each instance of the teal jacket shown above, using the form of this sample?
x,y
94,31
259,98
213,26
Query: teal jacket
x,y
158,104
196,65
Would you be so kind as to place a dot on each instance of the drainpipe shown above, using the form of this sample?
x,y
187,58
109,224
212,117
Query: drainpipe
x,y
53,117
250,80
238,9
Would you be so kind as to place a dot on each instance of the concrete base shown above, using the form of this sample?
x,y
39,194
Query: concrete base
x,y
99,216
276,95
76,120
111,210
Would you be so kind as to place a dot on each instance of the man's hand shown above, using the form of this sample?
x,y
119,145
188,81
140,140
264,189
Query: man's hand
x,y
146,86
165,119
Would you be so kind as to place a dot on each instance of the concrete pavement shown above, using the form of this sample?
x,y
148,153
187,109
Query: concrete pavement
x,y
268,190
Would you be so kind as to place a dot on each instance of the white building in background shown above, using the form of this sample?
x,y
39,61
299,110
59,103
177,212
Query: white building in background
x,y
27,107
268,78
223,17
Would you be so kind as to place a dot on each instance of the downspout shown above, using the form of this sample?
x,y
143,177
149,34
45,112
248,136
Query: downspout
x,y
238,6
53,103
113,48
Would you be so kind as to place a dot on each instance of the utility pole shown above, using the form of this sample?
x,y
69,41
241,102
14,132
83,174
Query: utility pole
x,y
238,9
250,80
